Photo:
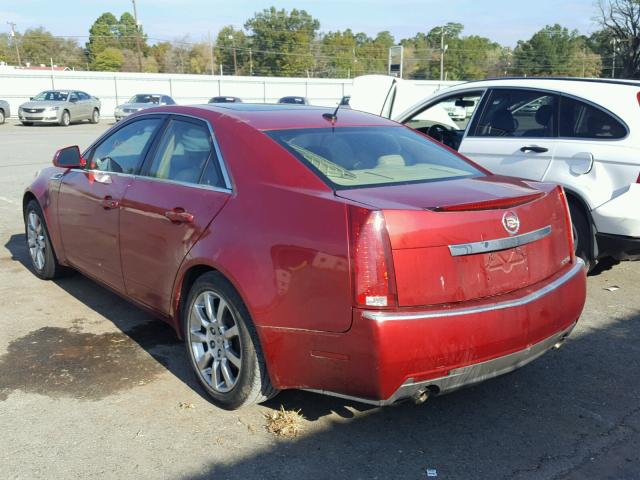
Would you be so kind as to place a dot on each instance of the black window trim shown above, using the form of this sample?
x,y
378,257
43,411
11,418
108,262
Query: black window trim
x,y
558,94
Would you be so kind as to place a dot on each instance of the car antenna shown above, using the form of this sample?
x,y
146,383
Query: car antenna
x,y
332,117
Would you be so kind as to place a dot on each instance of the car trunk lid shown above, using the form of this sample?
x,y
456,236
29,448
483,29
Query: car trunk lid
x,y
471,238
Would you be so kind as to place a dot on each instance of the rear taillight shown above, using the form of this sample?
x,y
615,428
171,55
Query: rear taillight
x,y
638,179
569,225
638,97
372,264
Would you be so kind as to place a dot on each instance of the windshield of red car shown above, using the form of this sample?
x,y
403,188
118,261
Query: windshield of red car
x,y
354,157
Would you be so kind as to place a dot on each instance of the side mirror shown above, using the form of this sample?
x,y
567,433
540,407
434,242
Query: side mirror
x,y
69,157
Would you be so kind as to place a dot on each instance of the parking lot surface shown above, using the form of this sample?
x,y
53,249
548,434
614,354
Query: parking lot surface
x,y
92,387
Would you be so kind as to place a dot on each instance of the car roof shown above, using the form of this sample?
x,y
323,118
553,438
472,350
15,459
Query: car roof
x,y
266,116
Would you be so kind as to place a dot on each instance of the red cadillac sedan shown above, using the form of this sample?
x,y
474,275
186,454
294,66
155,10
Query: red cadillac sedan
x,y
294,248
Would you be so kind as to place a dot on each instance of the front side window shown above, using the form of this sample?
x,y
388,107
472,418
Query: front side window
x,y
122,151
581,120
182,153
167,100
84,96
448,119
351,157
518,113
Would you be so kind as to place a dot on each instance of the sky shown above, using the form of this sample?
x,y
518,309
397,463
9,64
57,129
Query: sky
x,y
503,21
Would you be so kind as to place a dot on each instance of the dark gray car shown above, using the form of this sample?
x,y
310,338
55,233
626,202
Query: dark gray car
x,y
140,102
5,111
61,107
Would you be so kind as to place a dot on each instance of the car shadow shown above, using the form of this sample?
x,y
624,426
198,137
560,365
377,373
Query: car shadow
x,y
152,335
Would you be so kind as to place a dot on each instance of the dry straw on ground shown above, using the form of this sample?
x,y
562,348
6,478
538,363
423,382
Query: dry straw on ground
x,y
284,423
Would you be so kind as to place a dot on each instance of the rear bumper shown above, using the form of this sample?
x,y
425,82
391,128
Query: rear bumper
x,y
618,246
390,355
468,375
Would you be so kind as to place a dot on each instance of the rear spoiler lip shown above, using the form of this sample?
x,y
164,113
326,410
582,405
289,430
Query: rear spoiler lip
x,y
494,204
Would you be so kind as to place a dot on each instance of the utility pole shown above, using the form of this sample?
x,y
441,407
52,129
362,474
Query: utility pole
x,y
443,48
235,60
15,40
613,63
250,63
135,16
211,53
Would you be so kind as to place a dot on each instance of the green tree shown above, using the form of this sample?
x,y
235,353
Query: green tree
x,y
108,60
282,41
232,51
555,51
38,46
103,34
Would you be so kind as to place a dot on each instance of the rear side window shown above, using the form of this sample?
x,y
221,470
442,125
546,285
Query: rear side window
x,y
182,153
581,120
518,113
354,157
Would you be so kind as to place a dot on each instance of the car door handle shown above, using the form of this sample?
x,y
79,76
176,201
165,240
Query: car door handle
x,y
178,215
108,203
533,148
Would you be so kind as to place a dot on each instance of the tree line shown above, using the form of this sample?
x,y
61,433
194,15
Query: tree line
x,y
290,43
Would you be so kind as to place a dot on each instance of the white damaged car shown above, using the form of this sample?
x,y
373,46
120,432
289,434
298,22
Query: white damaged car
x,y
583,134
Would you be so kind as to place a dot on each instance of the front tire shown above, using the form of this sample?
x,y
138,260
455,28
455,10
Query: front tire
x,y
27,124
65,119
43,259
95,117
2,117
223,346
581,235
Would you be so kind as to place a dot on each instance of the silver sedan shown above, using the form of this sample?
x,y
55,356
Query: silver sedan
x,y
5,111
61,107
140,102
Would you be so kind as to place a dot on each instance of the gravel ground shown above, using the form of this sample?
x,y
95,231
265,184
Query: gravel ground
x,y
92,387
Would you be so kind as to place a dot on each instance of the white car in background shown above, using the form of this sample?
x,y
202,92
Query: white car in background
x,y
583,134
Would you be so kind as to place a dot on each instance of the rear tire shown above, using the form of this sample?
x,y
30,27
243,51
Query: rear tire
x,y
223,346
65,119
2,117
95,116
581,235
43,259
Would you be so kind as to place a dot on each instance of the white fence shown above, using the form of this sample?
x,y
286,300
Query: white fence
x,y
17,86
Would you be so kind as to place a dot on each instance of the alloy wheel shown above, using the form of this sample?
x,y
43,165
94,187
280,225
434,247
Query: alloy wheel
x,y
214,339
36,240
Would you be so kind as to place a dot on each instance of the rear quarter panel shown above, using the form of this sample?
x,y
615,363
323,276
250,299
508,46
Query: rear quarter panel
x,y
281,239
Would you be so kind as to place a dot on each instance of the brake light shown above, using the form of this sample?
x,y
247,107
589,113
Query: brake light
x,y
372,264
568,223
638,97
638,180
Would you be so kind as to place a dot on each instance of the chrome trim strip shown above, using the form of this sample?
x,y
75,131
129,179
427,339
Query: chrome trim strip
x,y
473,248
379,316
467,375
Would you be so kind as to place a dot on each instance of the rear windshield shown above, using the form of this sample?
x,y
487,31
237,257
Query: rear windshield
x,y
354,157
